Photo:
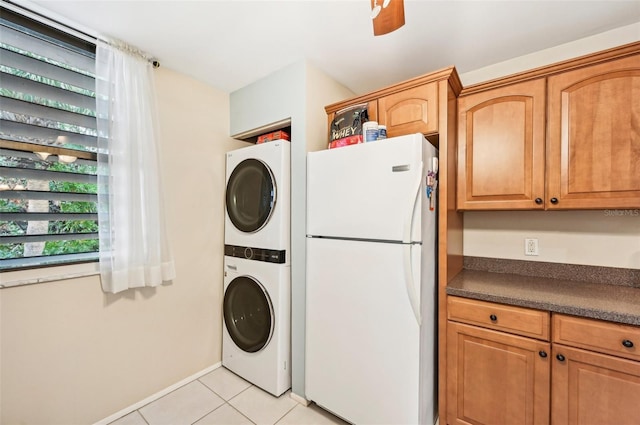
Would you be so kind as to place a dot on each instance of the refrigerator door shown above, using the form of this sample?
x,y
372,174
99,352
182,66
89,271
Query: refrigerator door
x,y
367,191
362,338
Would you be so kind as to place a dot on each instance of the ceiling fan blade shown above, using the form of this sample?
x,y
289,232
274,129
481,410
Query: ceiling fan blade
x,y
390,18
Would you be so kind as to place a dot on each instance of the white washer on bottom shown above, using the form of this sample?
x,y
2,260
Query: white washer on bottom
x,y
256,335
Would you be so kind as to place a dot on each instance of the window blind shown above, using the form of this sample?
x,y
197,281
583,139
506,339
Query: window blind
x,y
48,146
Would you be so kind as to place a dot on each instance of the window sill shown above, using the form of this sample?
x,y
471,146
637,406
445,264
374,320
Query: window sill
x,y
47,274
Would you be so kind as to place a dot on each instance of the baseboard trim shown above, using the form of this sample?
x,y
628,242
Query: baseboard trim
x,y
299,399
157,395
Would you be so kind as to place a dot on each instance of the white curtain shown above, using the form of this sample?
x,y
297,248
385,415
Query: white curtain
x,y
134,251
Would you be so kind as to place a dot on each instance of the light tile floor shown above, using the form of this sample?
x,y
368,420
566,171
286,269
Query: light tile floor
x,y
223,398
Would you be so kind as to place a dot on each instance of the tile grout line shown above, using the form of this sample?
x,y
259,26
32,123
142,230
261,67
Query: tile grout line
x,y
141,415
170,392
234,408
250,385
253,386
283,416
210,412
245,416
155,397
225,402
144,419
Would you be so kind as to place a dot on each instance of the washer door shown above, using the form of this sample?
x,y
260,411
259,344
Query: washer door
x,y
248,314
251,195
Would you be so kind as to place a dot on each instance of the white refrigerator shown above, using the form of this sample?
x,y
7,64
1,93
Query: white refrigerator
x,y
371,281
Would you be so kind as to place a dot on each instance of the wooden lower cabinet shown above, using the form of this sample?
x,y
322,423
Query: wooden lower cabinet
x,y
497,374
592,388
495,377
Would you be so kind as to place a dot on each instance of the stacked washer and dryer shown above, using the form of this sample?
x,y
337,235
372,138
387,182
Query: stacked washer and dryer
x,y
256,342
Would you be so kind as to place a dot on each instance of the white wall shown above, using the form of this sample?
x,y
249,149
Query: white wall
x,y
604,238
271,99
600,238
274,98
299,92
583,46
72,354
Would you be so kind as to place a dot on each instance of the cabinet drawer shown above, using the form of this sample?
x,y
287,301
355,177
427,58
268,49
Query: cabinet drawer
x,y
597,335
516,320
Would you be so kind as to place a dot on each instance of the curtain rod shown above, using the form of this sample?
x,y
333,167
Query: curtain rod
x,y
38,13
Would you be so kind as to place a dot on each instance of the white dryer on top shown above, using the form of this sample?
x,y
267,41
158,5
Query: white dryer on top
x,y
258,205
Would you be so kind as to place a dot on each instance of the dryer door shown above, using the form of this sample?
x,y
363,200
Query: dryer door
x,y
251,195
248,314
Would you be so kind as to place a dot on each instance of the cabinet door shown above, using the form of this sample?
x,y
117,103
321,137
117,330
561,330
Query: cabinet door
x,y
594,137
590,388
496,378
501,148
410,111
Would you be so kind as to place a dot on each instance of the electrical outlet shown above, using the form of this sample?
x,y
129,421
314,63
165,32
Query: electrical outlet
x,y
530,247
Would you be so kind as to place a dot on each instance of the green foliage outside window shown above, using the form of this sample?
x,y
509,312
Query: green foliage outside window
x,y
12,228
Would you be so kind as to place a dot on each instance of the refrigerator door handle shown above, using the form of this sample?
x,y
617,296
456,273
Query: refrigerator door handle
x,y
408,220
408,267
410,284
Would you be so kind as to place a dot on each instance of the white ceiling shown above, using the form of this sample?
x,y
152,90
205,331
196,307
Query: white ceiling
x,y
230,44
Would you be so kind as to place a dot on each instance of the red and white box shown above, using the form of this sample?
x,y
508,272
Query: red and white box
x,y
274,135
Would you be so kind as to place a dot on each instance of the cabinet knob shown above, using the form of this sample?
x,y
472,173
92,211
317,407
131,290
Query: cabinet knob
x,y
560,357
554,200
539,201
493,317
542,353
627,343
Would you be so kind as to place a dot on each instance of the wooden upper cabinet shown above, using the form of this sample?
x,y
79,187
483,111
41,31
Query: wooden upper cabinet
x,y
501,144
414,110
594,136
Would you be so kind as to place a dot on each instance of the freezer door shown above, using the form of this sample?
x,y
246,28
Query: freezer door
x,y
362,338
366,191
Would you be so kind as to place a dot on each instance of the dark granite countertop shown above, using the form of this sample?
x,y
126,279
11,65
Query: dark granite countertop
x,y
616,303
